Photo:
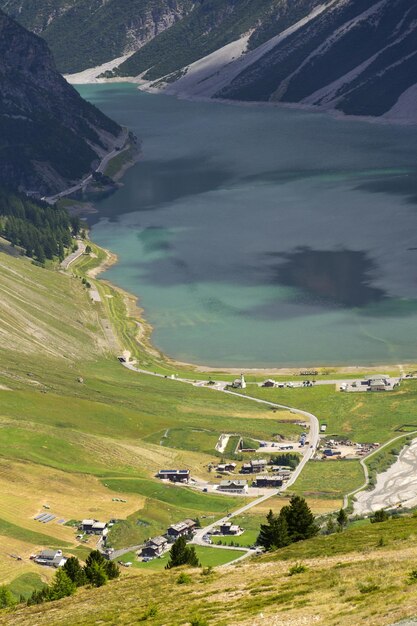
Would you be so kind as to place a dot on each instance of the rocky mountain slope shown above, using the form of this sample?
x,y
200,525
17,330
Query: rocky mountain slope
x,y
86,33
356,56
359,57
50,135
209,26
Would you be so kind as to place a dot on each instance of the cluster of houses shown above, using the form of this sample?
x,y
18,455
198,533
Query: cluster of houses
x,y
256,465
263,479
49,558
156,546
380,382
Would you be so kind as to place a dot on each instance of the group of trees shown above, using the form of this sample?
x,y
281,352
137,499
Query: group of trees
x,y
294,522
41,230
290,459
181,554
96,572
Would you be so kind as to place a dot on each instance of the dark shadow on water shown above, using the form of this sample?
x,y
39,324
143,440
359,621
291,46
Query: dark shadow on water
x,y
152,184
318,277
405,186
341,277
316,281
155,239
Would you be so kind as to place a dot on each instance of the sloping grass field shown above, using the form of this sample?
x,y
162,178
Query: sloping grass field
x,y
82,435
362,417
346,581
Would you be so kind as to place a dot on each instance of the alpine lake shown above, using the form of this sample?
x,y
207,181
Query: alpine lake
x,y
261,236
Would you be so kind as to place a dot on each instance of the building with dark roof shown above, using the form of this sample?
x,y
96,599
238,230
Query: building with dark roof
x,y
175,475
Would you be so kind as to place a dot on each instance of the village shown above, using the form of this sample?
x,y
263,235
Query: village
x,y
379,382
256,471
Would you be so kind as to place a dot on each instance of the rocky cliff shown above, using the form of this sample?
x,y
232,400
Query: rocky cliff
x,y
87,33
49,134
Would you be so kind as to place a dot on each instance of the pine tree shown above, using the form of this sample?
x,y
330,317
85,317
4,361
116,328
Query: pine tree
x,y
181,554
265,537
75,572
112,570
178,553
274,534
342,518
94,556
379,516
37,597
280,537
330,526
62,586
192,558
96,574
300,519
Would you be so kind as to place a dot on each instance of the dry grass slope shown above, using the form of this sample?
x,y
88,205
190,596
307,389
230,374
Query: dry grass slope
x,y
45,313
346,589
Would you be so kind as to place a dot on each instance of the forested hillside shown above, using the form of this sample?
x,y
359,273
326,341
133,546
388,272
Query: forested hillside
x,y
86,33
42,231
50,135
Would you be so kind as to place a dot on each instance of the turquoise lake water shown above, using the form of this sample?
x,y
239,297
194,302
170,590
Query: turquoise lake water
x,y
259,236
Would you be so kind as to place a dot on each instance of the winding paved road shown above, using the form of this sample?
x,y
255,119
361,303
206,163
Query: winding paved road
x,y
309,452
73,256
121,140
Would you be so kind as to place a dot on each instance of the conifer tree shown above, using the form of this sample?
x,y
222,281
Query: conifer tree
x,y
62,586
265,537
112,570
274,534
181,554
300,519
74,571
96,574
342,518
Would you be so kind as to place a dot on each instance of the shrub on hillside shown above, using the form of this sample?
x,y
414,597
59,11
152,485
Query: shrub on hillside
x,y
380,516
298,568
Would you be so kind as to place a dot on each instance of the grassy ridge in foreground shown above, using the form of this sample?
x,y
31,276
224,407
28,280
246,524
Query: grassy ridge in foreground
x,y
346,583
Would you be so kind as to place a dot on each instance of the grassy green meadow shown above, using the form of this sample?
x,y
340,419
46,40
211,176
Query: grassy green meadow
x,y
84,437
80,433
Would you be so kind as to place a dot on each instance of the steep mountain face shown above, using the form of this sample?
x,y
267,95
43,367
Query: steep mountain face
x,y
49,134
359,57
211,25
86,33
356,56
